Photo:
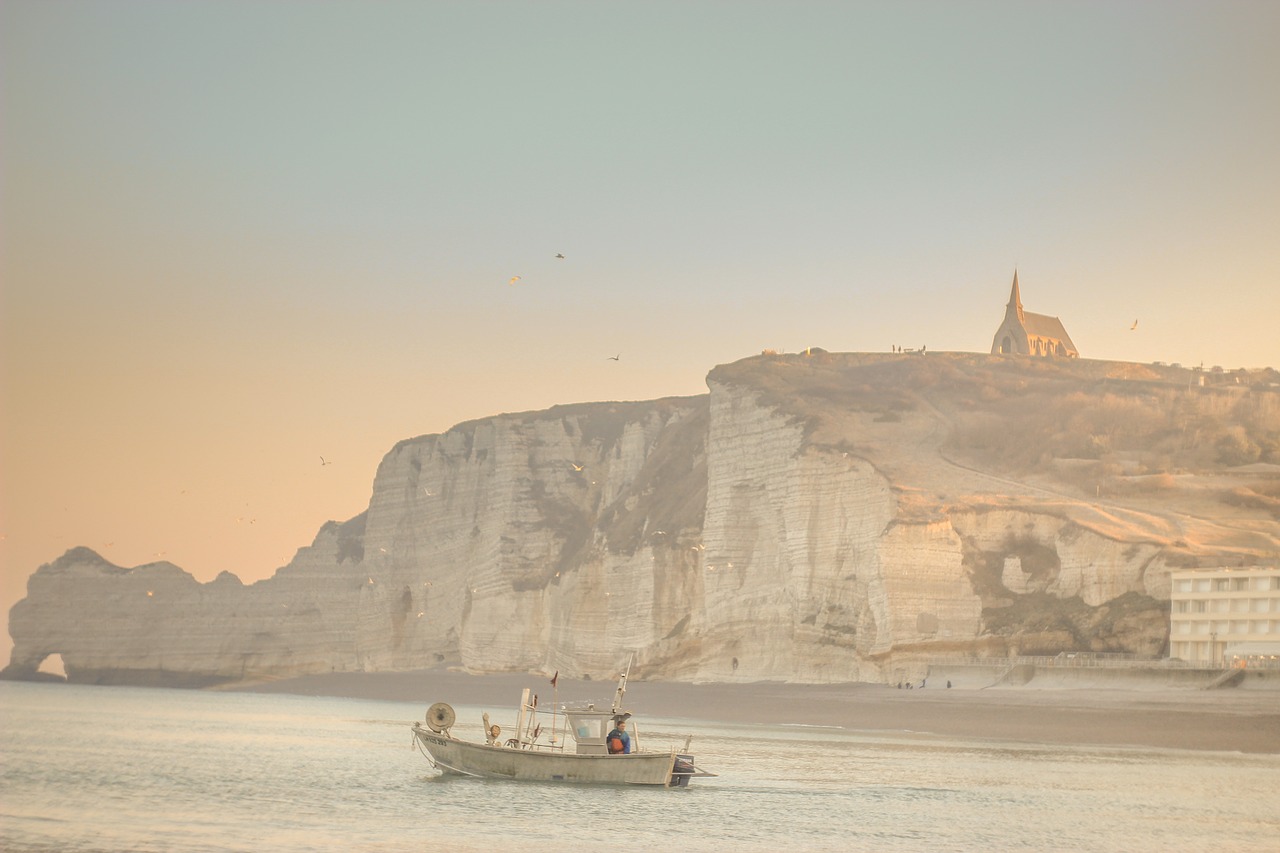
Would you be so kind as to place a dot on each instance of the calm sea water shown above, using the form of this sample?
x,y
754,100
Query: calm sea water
x,y
131,769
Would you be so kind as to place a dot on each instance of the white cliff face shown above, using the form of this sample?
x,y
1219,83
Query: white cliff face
x,y
806,573
725,537
485,545
1071,561
516,543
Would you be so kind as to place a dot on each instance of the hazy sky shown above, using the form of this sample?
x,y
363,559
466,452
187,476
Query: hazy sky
x,y
239,236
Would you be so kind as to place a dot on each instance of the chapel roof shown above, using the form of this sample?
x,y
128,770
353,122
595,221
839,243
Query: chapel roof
x,y
1045,326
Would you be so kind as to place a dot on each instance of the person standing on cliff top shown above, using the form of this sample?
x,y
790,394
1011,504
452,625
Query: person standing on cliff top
x,y
619,740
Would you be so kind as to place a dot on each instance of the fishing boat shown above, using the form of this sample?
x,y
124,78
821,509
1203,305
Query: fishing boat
x,y
573,746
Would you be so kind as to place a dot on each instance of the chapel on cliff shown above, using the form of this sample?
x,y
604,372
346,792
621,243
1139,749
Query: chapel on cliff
x,y
1024,333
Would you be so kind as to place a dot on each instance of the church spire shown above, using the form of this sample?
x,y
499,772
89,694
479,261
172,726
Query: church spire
x,y
1015,299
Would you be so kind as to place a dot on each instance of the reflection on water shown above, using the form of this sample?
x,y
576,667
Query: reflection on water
x,y
89,769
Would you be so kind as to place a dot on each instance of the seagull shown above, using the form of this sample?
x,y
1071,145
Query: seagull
x,y
560,256
1134,326
576,466
324,462
613,357
513,280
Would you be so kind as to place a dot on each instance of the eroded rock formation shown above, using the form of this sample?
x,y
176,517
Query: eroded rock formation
x,y
813,519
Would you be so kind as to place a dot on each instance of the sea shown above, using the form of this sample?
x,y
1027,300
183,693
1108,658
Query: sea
x,y
137,769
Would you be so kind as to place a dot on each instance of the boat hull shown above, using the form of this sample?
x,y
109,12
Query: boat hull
x,y
531,765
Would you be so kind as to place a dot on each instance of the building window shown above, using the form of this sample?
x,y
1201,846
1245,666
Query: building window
x,y
1221,585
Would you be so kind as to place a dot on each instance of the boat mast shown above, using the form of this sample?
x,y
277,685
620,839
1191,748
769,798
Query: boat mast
x,y
524,704
622,685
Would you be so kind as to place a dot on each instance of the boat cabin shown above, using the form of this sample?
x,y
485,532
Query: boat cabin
x,y
591,729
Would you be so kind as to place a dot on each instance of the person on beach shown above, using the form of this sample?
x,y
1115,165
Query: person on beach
x,y
619,740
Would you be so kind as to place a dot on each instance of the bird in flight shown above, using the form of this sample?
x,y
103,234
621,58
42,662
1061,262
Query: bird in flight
x,y
560,256
576,466
1134,326
613,357
324,462
513,280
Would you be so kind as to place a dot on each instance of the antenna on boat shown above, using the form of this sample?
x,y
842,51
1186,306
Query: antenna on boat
x,y
555,702
622,685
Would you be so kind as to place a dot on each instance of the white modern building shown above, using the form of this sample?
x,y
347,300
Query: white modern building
x,y
1226,617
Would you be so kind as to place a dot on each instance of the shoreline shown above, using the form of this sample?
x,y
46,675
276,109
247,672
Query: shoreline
x,y
1233,720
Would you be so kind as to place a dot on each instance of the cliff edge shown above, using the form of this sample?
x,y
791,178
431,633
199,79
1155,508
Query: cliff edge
x,y
816,517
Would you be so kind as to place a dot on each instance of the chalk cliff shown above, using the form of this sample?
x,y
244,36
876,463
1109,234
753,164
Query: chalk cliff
x,y
816,517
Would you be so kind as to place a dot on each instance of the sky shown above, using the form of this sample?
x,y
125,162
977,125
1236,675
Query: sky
x,y
236,237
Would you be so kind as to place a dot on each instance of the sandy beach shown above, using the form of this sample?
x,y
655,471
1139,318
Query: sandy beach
x,y
1228,719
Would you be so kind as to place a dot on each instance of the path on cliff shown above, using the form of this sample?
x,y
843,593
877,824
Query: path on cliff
x,y
1109,516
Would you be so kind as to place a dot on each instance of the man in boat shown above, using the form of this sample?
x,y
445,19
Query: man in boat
x,y
619,740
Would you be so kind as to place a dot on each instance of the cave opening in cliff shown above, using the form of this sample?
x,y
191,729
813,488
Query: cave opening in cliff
x,y
52,665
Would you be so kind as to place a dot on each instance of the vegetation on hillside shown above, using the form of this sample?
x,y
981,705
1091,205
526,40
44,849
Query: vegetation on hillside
x,y
1022,415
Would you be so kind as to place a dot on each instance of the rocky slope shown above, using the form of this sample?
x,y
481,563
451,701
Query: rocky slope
x,y
817,517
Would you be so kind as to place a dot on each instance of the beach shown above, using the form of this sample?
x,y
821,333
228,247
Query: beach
x,y
1235,720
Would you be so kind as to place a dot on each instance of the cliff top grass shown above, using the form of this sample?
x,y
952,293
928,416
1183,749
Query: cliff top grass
x,y
1132,451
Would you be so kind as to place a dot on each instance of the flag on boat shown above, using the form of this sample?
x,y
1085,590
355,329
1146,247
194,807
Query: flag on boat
x,y
555,678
